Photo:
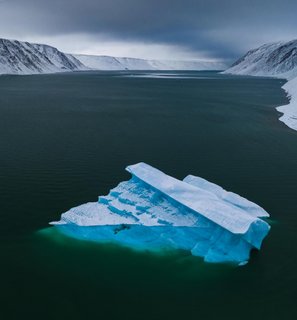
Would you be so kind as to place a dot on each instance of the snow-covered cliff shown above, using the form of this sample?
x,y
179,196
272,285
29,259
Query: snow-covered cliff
x,y
18,57
26,58
274,60
114,63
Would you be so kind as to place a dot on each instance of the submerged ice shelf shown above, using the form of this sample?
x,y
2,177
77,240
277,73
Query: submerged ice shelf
x,y
153,211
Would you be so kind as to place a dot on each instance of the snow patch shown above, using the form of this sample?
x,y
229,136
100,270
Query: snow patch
x,y
290,110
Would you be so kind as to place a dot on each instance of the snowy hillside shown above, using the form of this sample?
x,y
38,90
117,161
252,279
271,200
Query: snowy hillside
x,y
26,58
274,60
113,63
18,57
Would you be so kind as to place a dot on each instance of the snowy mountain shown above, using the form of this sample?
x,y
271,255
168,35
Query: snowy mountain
x,y
114,63
18,57
274,60
26,58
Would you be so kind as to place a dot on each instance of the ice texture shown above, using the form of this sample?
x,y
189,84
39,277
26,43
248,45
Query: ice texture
x,y
156,211
250,207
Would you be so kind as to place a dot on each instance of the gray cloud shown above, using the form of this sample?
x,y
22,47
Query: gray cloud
x,y
216,27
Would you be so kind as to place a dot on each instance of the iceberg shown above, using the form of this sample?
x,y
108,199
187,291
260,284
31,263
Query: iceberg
x,y
154,211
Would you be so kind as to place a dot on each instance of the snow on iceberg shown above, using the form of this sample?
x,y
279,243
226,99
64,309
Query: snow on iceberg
x,y
153,211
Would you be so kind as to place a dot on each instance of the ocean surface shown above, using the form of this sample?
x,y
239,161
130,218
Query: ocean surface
x,y
66,138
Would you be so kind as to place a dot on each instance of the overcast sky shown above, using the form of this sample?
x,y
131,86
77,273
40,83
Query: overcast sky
x,y
172,29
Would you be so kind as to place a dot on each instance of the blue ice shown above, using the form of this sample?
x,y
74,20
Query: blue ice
x,y
153,211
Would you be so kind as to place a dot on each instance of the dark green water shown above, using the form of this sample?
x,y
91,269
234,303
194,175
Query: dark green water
x,y
65,139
